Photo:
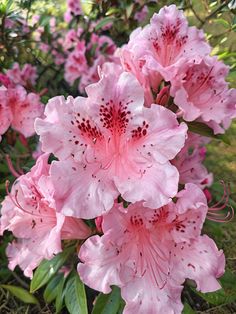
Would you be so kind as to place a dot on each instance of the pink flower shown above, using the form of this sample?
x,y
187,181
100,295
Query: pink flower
x,y
189,162
19,110
71,39
27,75
73,9
106,45
200,90
74,6
5,112
91,76
149,253
76,63
59,58
157,51
29,212
140,16
4,80
110,144
38,151
44,47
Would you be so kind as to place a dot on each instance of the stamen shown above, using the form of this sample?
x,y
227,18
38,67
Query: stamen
x,y
16,202
11,167
213,211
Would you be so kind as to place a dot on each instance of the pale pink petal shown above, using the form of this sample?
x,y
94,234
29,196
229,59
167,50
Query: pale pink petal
x,y
200,90
80,192
25,113
142,297
162,182
200,261
74,228
104,269
5,111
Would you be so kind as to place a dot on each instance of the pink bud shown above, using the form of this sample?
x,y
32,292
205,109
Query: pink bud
x,y
98,223
5,80
202,152
163,97
208,195
23,140
65,271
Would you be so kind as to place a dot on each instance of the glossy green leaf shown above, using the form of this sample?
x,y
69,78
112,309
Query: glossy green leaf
x,y
21,294
205,130
75,297
108,303
223,23
129,10
87,6
104,22
47,269
60,295
50,293
187,309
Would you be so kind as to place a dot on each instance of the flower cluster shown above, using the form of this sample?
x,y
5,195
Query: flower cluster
x,y
126,142
18,108
29,212
78,66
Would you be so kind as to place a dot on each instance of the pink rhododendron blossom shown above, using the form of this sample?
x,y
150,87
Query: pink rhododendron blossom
x,y
110,144
73,9
26,75
189,162
76,63
44,47
91,75
149,253
158,50
200,90
59,58
5,112
71,39
140,16
104,44
38,151
9,23
19,109
29,213
4,80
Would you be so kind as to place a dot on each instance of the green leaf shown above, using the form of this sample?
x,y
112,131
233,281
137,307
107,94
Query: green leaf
x,y
225,295
112,11
129,10
223,23
108,303
75,297
104,22
205,130
187,309
21,294
87,6
47,269
50,293
60,295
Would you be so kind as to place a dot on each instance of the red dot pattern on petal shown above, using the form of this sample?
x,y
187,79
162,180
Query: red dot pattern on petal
x,y
140,131
87,129
115,118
